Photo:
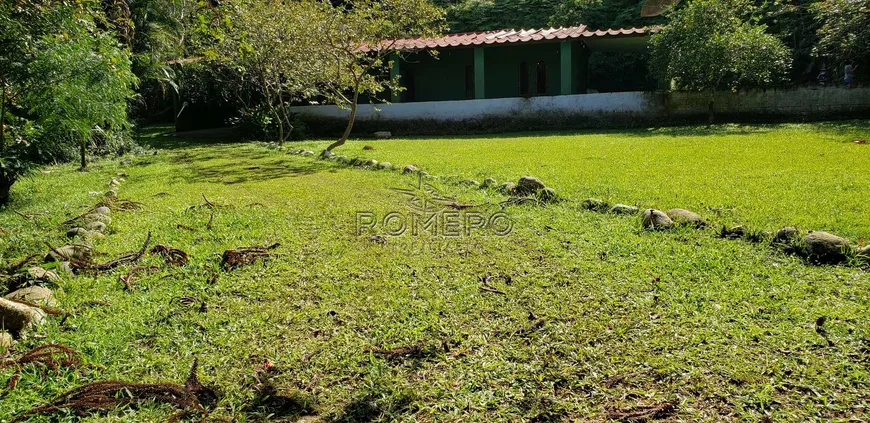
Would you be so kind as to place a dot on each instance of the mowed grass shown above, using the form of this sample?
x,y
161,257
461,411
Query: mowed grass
x,y
811,176
596,318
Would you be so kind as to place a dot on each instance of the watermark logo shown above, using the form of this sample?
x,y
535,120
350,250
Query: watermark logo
x,y
431,213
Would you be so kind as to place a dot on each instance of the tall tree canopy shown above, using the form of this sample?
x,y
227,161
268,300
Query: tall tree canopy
x,y
707,45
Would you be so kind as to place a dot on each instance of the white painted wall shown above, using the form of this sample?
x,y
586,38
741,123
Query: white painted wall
x,y
626,107
476,109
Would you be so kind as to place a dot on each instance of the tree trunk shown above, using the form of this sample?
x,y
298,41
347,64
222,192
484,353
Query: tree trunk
x,y
5,186
83,151
3,118
710,109
350,121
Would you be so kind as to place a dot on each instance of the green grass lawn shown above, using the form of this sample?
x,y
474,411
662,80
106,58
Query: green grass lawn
x,y
593,318
810,176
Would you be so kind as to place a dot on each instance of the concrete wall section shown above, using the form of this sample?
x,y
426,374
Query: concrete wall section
x,y
479,109
598,110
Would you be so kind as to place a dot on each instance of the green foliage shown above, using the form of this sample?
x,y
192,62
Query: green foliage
x,y
599,14
63,78
845,34
486,15
91,82
708,46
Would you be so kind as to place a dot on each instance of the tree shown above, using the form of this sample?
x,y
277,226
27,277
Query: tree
x,y
57,58
269,44
358,41
708,46
92,82
845,33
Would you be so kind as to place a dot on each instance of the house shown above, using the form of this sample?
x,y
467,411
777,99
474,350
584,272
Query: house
x,y
505,63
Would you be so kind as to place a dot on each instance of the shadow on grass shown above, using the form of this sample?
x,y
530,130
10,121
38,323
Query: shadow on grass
x,y
832,127
234,163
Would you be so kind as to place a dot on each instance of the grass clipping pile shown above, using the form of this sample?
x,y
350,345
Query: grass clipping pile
x,y
192,398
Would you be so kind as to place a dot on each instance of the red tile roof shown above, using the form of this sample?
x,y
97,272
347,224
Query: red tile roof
x,y
508,36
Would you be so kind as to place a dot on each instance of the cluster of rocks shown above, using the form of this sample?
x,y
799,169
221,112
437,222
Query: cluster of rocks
x,y
22,309
95,223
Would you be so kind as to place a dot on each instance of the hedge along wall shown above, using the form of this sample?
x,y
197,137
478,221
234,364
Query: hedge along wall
x,y
593,110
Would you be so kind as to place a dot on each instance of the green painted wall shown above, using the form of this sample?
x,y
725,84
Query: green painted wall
x,y
503,69
438,78
443,77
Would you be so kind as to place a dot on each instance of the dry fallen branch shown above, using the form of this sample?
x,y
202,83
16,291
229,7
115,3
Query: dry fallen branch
x,y
643,413
52,356
127,279
415,350
486,287
125,259
173,256
17,266
244,256
191,398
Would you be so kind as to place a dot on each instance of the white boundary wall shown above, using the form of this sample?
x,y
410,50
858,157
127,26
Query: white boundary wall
x,y
627,107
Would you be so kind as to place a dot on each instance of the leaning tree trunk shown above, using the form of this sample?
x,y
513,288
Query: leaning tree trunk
x,y
349,127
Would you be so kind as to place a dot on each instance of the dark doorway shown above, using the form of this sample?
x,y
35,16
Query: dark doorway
x,y
524,79
541,78
469,82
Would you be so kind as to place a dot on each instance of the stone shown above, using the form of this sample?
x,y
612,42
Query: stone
x,y
112,193
96,217
34,294
529,185
114,183
489,182
863,252
326,154
734,232
15,317
371,163
383,135
342,159
385,165
687,218
785,236
64,268
656,219
623,209
823,247
39,274
78,252
307,153
425,174
594,204
547,195
103,210
507,187
6,341
368,147
121,174
96,226
410,169
469,183
76,232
